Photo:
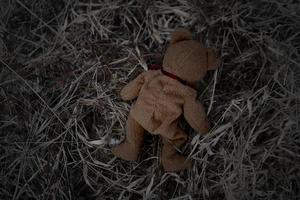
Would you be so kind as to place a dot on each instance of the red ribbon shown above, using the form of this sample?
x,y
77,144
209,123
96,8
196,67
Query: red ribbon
x,y
173,76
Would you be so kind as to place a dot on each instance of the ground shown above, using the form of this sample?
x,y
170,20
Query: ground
x,y
63,63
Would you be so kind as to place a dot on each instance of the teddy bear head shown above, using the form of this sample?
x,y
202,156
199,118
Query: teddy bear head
x,y
188,59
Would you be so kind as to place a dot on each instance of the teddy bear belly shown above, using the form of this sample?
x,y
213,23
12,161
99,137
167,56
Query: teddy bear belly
x,y
155,116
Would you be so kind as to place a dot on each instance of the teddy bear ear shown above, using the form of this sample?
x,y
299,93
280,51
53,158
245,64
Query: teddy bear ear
x,y
180,34
213,59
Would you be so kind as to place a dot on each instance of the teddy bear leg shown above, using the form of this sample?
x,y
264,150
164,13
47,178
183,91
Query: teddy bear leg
x,y
130,148
171,160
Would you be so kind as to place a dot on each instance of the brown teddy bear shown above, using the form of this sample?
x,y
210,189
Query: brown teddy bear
x,y
163,96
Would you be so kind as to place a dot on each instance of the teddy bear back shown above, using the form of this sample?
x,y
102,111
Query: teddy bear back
x,y
185,57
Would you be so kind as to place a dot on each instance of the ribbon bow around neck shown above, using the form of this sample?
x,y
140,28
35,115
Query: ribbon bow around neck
x,y
173,76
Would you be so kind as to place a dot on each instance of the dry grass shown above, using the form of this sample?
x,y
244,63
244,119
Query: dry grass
x,y
63,63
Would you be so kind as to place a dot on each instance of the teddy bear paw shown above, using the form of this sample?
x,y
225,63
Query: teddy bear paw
x,y
126,151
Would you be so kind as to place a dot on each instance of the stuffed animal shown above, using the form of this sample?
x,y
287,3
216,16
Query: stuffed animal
x,y
163,95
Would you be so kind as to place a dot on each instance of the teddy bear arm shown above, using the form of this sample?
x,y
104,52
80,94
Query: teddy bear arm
x,y
195,115
213,59
132,89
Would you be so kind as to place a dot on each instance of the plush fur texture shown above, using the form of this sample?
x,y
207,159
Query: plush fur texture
x,y
161,100
180,35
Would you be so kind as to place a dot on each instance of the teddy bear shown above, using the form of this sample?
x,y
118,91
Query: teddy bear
x,y
163,95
